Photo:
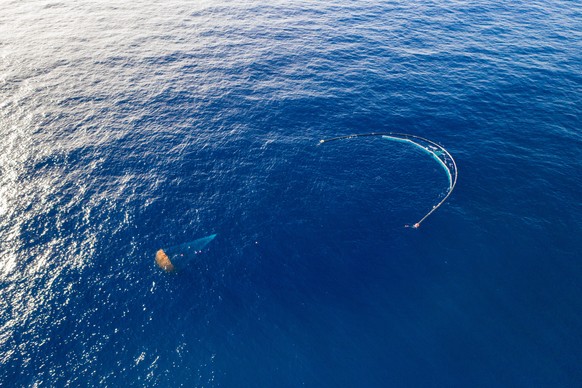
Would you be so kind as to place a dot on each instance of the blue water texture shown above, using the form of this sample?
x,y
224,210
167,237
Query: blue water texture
x,y
129,127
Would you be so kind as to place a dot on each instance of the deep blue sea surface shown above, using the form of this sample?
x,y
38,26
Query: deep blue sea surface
x,y
127,127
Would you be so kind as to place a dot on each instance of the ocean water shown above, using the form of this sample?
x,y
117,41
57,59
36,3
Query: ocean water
x,y
130,127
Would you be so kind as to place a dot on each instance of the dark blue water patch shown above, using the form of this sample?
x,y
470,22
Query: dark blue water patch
x,y
191,120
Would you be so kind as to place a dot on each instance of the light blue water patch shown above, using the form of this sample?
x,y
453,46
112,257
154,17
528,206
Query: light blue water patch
x,y
182,254
194,245
433,154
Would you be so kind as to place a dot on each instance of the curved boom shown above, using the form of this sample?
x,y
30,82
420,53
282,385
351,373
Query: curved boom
x,y
438,152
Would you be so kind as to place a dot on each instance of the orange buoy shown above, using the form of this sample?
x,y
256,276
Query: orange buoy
x,y
163,261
